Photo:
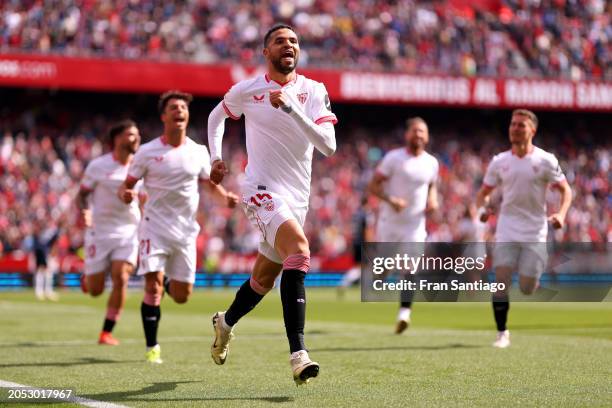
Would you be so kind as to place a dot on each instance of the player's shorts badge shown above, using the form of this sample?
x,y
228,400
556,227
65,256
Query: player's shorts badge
x,y
269,205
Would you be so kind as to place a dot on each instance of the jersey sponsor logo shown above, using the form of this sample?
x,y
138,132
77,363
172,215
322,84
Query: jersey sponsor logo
x,y
259,99
302,97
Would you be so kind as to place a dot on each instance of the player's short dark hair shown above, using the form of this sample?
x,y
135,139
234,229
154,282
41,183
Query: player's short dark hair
x,y
527,113
117,128
414,120
275,27
173,94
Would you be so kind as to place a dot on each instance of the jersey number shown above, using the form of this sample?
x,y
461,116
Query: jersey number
x,y
257,198
145,246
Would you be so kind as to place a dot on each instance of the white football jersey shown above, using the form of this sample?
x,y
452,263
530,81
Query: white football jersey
x,y
523,182
171,176
279,154
111,217
408,177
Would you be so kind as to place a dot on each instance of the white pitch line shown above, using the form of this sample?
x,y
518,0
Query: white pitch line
x,y
74,399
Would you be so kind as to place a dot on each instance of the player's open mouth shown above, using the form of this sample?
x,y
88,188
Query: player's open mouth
x,y
287,56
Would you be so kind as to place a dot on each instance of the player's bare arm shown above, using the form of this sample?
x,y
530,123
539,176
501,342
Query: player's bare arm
x,y
126,192
221,195
376,188
558,219
482,202
432,198
84,211
322,136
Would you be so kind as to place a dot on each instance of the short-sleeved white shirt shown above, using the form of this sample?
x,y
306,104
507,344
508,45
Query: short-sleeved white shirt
x,y
408,177
111,217
523,182
171,176
279,154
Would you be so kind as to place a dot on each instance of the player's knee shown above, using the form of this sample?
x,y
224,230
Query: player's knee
x,y
180,297
261,286
154,288
528,289
96,290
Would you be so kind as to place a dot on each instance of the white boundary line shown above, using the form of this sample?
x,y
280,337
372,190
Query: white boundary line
x,y
74,399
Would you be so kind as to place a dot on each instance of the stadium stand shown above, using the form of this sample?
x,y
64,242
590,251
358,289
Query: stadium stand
x,y
496,38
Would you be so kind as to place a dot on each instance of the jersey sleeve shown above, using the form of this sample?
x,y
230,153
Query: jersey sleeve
x,y
385,167
553,172
138,167
232,101
491,178
206,167
320,108
89,178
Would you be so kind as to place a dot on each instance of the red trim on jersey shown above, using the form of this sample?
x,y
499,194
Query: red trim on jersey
x,y
380,173
488,185
229,113
558,183
203,179
268,79
85,189
329,118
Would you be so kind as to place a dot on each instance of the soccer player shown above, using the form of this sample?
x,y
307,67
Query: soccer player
x,y
405,181
523,173
287,116
170,166
41,243
111,241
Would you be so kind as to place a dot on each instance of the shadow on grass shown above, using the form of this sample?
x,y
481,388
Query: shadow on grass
x,y
397,348
127,396
81,361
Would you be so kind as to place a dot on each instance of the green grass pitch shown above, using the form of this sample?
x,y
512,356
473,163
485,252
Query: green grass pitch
x,y
561,354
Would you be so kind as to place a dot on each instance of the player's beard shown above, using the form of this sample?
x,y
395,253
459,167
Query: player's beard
x,y
283,69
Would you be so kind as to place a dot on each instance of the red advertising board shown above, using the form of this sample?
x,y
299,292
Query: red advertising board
x,y
343,86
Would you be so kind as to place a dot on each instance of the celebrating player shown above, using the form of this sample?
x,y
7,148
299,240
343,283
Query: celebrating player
x,y
523,173
111,241
287,116
405,181
170,166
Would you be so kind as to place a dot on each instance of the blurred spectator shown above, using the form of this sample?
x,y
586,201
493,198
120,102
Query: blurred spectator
x,y
560,39
40,168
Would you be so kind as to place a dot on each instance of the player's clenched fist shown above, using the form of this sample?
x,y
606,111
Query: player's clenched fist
x,y
218,171
126,195
278,99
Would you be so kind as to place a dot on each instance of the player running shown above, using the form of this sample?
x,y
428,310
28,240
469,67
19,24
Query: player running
x,y
405,181
287,116
170,166
111,242
523,173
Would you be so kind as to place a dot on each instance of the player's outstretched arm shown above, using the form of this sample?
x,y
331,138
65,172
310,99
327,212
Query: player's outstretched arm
x,y
558,219
482,201
81,203
376,188
221,195
322,136
432,198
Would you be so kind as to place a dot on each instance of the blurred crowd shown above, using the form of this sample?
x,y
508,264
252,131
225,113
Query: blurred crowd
x,y
551,38
41,167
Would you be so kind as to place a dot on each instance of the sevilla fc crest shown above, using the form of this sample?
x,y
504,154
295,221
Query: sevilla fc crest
x,y
269,205
302,97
